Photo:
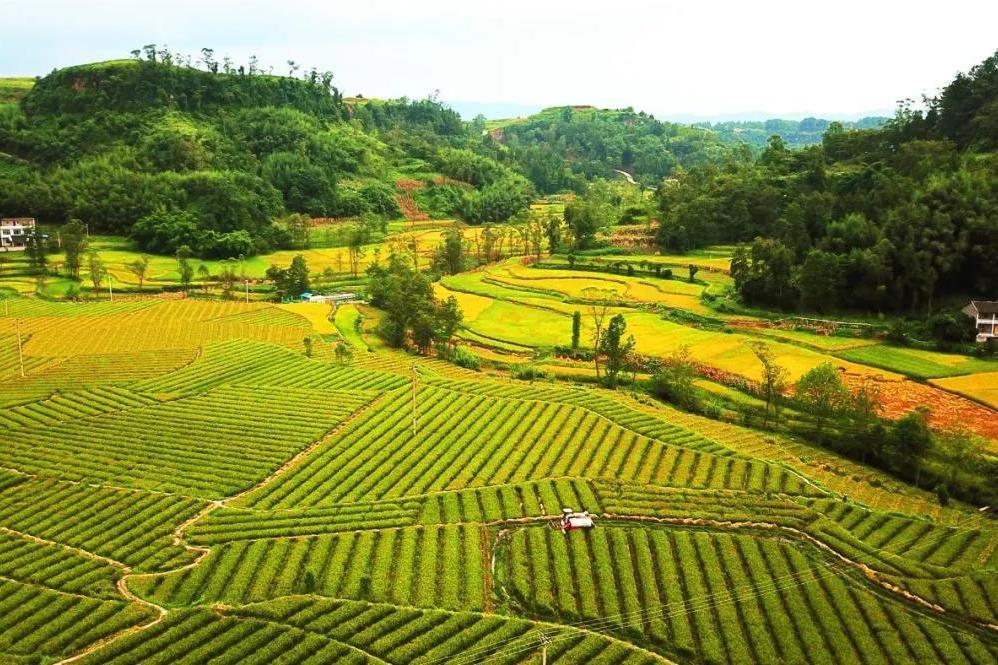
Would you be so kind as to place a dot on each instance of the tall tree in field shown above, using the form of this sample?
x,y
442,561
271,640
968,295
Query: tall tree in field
x,y
184,268
536,230
552,228
74,243
356,239
139,267
599,309
96,268
615,348
448,320
450,255
35,248
204,274
576,329
822,394
774,380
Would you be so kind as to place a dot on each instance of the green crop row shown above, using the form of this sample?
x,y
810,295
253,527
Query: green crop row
x,y
242,362
467,441
211,445
919,540
593,400
193,637
432,566
231,524
974,596
40,622
409,635
721,598
125,525
58,568
491,504
72,406
308,631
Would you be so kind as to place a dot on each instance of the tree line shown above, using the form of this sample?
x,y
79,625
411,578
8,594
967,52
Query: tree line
x,y
886,219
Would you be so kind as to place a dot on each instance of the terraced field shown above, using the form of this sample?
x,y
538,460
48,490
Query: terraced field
x,y
208,493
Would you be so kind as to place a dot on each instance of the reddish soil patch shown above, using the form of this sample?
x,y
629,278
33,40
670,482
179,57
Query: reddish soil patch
x,y
409,184
946,410
409,207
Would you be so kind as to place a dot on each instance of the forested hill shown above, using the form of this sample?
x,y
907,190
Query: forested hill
x,y
795,133
216,158
593,143
879,219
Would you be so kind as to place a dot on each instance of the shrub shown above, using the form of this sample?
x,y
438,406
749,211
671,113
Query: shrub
x,y
464,358
529,373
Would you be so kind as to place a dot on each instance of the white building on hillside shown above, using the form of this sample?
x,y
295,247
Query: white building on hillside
x,y
985,315
14,232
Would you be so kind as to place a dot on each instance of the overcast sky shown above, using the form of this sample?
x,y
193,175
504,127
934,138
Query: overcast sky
x,y
704,58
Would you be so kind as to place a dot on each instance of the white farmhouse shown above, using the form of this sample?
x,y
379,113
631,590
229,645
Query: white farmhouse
x,y
985,315
14,232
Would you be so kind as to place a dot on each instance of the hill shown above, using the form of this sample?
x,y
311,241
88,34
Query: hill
x,y
562,147
12,89
212,158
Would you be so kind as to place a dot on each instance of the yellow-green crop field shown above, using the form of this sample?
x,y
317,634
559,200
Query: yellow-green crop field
x,y
982,387
181,483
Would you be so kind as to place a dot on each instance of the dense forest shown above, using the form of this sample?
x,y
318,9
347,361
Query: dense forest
x,y
876,219
561,148
210,154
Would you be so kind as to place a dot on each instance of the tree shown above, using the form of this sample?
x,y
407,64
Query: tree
x,y
693,272
599,308
204,275
139,267
307,342
184,268
292,281
448,320
74,243
910,438
576,329
536,230
590,213
227,276
774,379
822,394
343,352
356,239
552,228
95,267
299,226
673,382
36,249
615,348
450,255
819,280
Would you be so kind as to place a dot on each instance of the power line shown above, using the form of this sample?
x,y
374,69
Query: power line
x,y
639,617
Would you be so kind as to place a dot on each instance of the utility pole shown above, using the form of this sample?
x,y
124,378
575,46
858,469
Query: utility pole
x,y
545,640
246,284
110,290
20,353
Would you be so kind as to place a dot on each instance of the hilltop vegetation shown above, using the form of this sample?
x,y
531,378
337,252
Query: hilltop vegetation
x,y
561,148
878,219
795,133
213,157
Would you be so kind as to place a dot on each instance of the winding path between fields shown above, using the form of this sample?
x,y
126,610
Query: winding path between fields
x,y
180,541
